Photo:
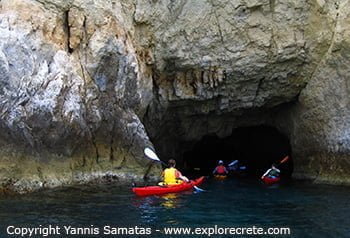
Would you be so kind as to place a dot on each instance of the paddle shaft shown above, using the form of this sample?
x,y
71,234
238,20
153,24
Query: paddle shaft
x,y
162,162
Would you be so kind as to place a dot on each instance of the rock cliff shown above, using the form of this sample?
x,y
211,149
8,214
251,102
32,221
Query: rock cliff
x,y
73,89
319,121
86,84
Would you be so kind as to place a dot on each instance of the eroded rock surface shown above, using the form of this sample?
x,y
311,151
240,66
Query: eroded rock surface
x,y
320,120
73,89
81,80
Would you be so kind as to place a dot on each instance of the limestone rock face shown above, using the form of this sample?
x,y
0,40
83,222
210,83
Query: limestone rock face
x,y
209,50
320,121
81,81
72,91
224,64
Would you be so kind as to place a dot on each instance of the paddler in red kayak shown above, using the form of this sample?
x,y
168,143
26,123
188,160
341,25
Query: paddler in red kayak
x,y
274,172
220,169
172,176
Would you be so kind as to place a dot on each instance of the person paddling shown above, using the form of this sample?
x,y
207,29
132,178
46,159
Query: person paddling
x,y
220,169
273,172
172,176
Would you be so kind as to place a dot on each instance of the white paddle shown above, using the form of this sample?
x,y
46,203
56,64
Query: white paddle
x,y
153,156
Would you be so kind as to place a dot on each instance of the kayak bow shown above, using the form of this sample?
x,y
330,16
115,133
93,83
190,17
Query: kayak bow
x,y
269,181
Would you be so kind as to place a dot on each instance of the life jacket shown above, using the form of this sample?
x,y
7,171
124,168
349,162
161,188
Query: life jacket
x,y
274,173
220,169
170,177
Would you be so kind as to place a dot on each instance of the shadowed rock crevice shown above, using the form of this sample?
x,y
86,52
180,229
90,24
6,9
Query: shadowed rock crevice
x,y
68,31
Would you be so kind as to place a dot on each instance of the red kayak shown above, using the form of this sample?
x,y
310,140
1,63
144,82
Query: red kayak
x,y
156,190
269,181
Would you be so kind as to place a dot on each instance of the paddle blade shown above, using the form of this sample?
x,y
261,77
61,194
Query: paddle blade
x,y
284,159
233,163
198,189
151,154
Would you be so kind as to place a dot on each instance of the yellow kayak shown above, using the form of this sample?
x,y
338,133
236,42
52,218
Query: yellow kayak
x,y
220,177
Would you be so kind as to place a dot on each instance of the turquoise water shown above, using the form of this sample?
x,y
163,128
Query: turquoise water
x,y
309,210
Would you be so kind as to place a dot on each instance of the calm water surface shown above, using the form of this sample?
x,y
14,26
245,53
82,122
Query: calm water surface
x,y
309,210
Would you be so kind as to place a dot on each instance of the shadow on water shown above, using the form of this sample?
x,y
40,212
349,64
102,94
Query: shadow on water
x,y
309,210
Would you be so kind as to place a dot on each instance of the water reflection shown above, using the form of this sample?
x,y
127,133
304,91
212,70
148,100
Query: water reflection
x,y
148,207
318,210
151,207
171,200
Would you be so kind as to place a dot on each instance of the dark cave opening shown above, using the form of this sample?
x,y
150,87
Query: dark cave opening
x,y
256,147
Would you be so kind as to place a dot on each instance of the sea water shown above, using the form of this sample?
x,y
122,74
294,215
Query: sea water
x,y
308,210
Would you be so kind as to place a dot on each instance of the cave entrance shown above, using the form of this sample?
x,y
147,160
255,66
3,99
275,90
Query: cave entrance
x,y
256,147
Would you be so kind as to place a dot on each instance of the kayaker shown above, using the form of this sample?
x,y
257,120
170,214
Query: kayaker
x,y
220,169
273,172
172,176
